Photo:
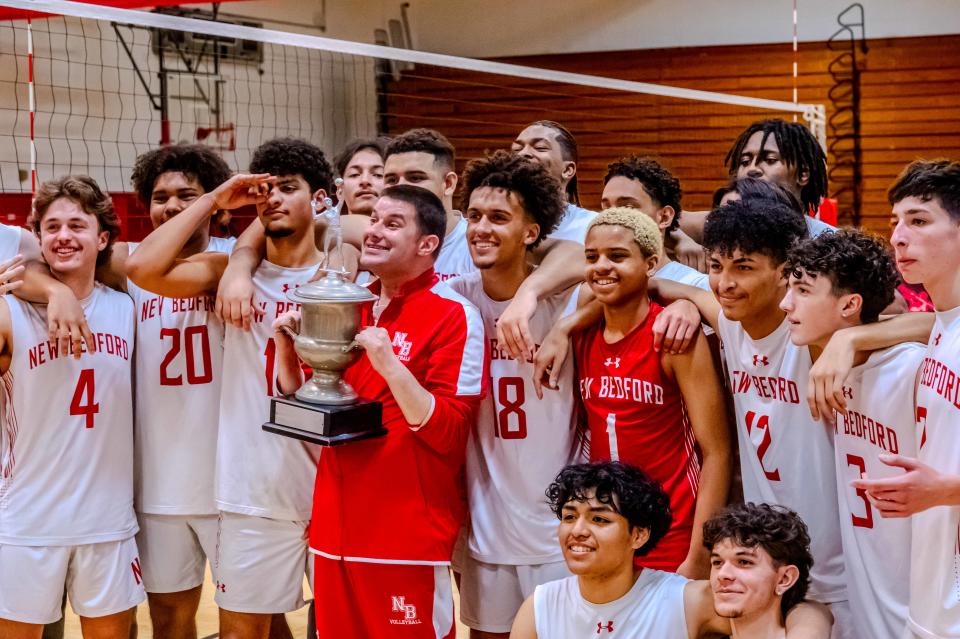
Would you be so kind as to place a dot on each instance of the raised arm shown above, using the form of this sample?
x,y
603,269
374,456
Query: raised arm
x,y
703,398
549,359
825,391
234,303
155,265
561,266
668,292
66,322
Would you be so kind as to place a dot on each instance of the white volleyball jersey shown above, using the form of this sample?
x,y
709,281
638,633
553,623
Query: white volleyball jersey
x,y
519,443
260,473
935,563
221,245
677,272
454,258
876,551
66,445
653,607
785,457
9,241
179,362
573,225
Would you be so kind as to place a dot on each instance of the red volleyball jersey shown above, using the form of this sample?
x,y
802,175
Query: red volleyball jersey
x,y
636,415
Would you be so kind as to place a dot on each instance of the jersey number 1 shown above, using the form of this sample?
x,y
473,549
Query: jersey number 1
x,y
82,402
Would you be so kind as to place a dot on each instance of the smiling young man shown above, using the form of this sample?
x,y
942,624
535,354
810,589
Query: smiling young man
x,y
360,166
609,514
759,567
519,443
926,204
644,184
662,412
263,482
66,516
838,280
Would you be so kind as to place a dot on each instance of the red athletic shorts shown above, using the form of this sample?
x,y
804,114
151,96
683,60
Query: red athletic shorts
x,y
374,601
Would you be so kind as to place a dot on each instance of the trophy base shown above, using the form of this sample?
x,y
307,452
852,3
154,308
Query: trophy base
x,y
325,424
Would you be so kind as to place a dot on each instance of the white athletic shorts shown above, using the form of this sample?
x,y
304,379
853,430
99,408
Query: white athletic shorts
x,y
174,550
100,579
261,563
491,594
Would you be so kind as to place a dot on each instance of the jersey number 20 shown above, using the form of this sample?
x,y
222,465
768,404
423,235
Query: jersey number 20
x,y
190,344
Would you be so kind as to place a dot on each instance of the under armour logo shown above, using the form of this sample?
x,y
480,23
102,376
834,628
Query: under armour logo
x,y
222,587
402,346
760,360
612,361
936,340
848,392
601,627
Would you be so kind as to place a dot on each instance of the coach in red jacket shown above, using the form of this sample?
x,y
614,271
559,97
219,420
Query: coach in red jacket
x,y
386,511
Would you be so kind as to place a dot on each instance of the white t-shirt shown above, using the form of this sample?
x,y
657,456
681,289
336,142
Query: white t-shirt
x,y
9,241
677,272
785,457
935,560
179,364
260,473
817,227
876,551
652,608
520,443
66,445
454,258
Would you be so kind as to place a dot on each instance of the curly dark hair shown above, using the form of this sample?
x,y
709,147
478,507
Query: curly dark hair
x,y
928,179
539,192
342,160
753,226
196,161
626,489
750,188
777,530
423,141
85,191
569,151
659,183
798,149
855,262
293,156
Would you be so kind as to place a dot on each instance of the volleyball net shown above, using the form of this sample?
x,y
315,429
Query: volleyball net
x,y
87,88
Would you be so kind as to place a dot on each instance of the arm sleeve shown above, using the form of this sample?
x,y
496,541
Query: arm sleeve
x,y
457,378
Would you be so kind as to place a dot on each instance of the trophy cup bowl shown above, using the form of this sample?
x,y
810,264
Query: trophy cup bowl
x,y
325,409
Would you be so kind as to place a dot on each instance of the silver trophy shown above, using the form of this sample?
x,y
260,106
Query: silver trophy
x,y
326,410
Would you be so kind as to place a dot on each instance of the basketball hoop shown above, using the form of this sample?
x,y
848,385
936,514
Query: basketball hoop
x,y
223,138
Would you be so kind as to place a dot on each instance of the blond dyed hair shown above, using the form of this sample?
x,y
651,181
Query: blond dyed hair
x,y
645,231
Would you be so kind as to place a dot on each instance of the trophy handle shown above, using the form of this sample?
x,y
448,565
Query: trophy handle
x,y
351,346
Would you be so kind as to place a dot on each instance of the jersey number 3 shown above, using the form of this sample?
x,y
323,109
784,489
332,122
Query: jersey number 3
x,y
83,397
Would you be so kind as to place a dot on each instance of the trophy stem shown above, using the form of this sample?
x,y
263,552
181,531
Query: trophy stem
x,y
326,387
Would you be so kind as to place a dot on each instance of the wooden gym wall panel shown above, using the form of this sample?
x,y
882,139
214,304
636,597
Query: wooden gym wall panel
x,y
910,108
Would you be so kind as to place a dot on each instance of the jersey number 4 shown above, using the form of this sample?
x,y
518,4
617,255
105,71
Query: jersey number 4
x,y
83,397
194,338
510,407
